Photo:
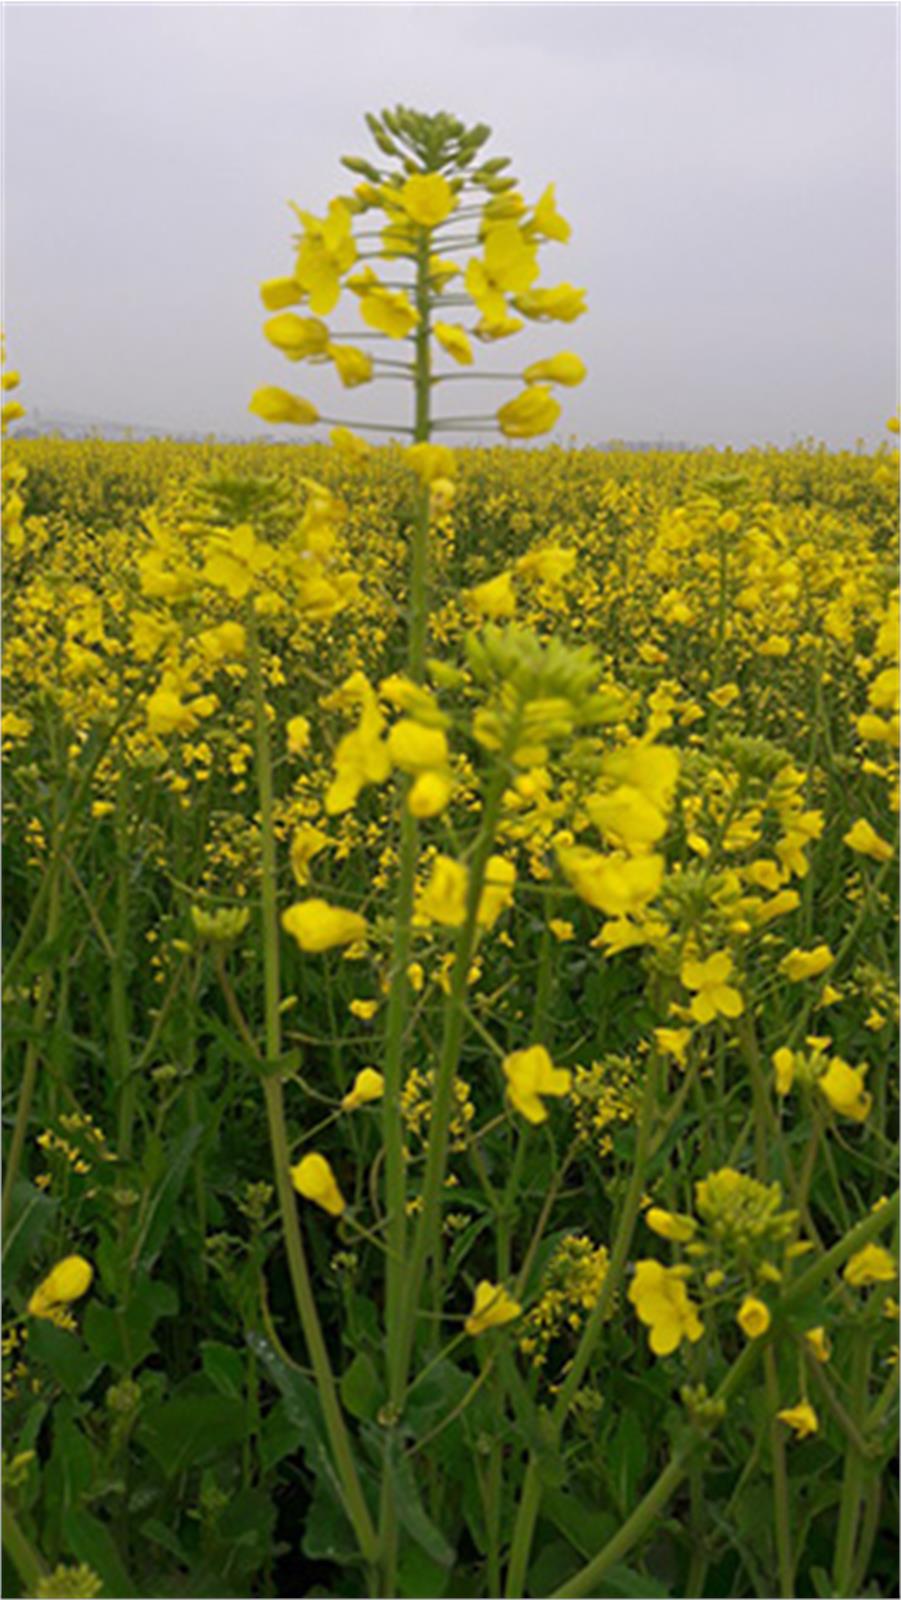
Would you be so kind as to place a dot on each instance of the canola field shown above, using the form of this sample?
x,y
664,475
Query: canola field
x,y
450,1018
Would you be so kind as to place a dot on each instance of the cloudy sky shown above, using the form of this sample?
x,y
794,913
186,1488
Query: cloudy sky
x,y
729,171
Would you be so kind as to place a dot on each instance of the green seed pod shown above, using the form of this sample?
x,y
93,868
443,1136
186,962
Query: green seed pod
x,y
364,168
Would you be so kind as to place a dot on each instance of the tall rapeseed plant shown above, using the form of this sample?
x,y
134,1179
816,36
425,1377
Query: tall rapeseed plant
x,y
459,246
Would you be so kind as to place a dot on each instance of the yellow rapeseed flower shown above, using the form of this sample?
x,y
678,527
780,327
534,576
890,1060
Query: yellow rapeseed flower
x,y
278,405
662,1303
492,1307
67,1281
802,1419
872,1264
314,1179
867,842
714,996
753,1317
801,964
528,414
455,341
318,926
672,1225
530,1074
427,198
565,368
367,1086
842,1085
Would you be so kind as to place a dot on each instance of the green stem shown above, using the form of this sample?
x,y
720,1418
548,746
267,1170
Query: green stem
x,y
853,1481
426,1240
868,1532
27,1561
126,1081
781,1509
357,1509
398,1009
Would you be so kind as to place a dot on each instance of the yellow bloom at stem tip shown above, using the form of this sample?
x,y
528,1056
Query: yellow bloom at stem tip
x,y
662,1303
565,368
615,884
672,1225
714,996
802,1419
801,964
367,1086
455,341
753,1317
277,405
297,337
784,1069
429,794
867,842
314,1179
530,1074
492,1307
842,1085
528,414
427,198
68,1281
317,926
818,1344
547,220
297,735
276,293
415,748
872,1264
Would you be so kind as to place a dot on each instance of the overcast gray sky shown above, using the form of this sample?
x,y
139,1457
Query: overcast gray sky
x,y
730,173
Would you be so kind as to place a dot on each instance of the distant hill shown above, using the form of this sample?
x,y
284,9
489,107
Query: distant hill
x,y
73,425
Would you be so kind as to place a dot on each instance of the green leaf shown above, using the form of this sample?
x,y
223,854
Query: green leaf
x,y
362,1391
629,1452
303,1409
32,1213
434,1396
555,1562
121,1335
418,1576
279,1436
193,1428
637,1585
70,1469
224,1366
91,1541
247,1529
327,1534
159,1533
64,1355
161,1210
410,1509
586,1528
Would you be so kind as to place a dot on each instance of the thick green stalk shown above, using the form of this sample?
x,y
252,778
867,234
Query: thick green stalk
x,y
781,1509
126,1081
355,1504
427,1237
853,1480
398,1009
